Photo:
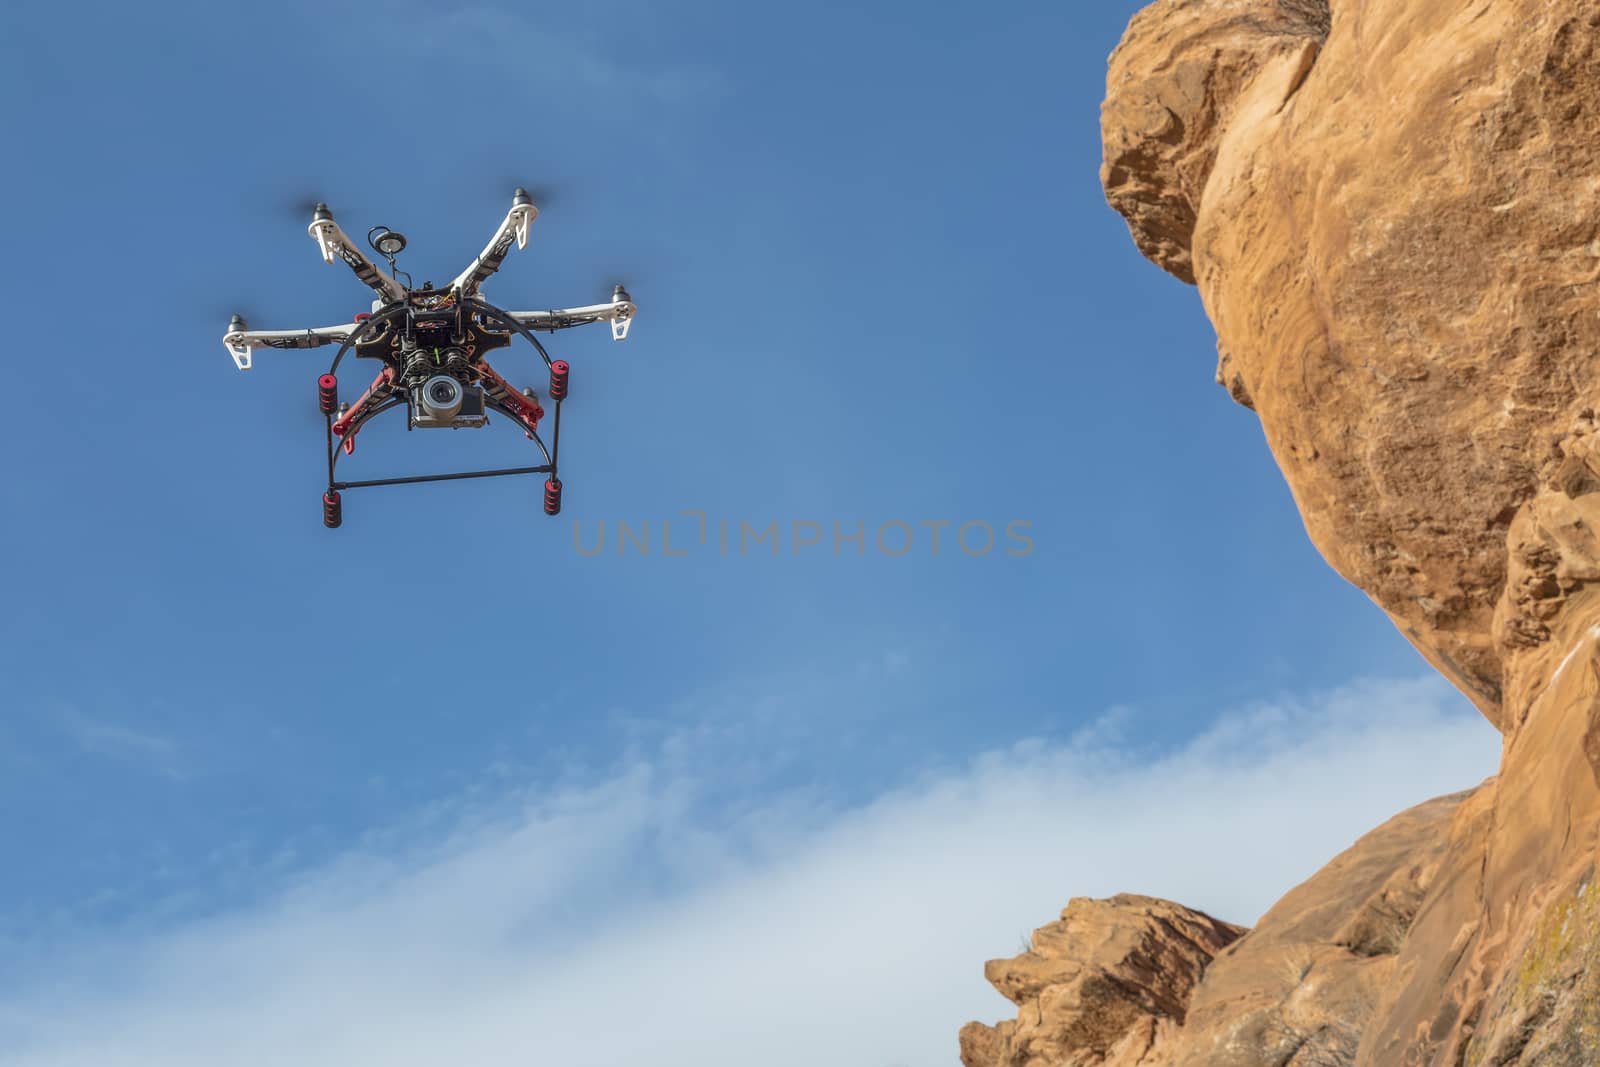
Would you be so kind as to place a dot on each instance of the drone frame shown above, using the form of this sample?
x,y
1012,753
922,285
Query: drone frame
x,y
397,306
358,416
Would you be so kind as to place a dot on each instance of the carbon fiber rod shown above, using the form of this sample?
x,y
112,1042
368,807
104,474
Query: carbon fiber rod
x,y
441,477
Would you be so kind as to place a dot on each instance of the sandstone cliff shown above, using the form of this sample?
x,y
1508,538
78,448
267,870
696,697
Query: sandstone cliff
x,y
1390,210
1106,984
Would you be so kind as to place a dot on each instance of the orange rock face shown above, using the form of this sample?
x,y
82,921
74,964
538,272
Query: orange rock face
x,y
1189,991
1102,986
1391,209
1388,210
1308,982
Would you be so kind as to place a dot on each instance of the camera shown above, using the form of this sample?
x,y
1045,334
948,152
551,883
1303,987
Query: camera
x,y
446,401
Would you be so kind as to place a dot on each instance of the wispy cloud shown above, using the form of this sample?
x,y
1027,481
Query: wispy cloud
x,y
626,920
118,741
510,43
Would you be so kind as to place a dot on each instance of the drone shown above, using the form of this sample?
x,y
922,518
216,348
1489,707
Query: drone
x,y
432,344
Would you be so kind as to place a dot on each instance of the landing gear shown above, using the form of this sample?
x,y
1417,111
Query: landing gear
x,y
332,509
426,393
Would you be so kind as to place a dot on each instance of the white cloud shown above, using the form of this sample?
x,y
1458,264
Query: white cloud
x,y
478,37
626,922
102,737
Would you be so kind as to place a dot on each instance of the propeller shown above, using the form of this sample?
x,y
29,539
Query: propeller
x,y
223,313
606,282
302,199
255,317
542,193
301,206
296,205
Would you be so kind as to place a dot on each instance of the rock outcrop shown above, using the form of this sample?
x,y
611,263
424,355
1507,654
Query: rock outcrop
x,y
1103,985
1391,209
1304,987
1188,991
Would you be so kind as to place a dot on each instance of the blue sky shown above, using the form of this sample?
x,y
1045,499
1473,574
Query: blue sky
x,y
877,283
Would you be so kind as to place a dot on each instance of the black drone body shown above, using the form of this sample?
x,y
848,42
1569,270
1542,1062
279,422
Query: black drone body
x,y
431,344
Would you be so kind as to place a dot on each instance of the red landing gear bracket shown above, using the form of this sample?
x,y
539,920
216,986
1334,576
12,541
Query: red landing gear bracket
x,y
522,408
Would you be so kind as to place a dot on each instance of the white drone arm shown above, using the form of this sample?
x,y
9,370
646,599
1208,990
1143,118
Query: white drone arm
x,y
619,313
241,343
513,228
335,243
